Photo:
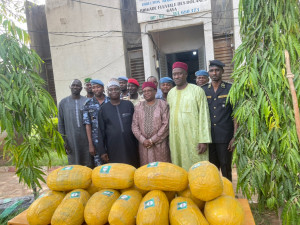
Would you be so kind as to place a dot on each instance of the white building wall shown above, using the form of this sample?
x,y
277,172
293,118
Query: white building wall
x,y
101,57
182,40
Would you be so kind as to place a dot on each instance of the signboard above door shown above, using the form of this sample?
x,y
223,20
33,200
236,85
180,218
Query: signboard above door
x,y
149,10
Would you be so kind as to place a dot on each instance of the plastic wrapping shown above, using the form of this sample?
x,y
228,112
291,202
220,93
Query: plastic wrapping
x,y
170,195
134,187
161,176
113,175
41,210
205,181
184,211
188,194
227,187
98,207
10,206
71,209
124,210
69,178
224,210
92,189
154,209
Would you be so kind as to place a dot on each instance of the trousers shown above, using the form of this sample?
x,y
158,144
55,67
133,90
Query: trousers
x,y
221,158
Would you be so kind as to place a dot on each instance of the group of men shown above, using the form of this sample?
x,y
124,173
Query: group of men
x,y
97,128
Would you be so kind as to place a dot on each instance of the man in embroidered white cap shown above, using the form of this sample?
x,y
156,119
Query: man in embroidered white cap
x,y
117,143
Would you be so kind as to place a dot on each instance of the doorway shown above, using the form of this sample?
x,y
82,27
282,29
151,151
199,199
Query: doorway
x,y
190,58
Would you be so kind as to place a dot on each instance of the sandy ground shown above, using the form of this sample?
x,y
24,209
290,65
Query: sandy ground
x,y
10,186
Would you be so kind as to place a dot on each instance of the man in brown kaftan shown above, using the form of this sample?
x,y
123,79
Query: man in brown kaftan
x,y
150,126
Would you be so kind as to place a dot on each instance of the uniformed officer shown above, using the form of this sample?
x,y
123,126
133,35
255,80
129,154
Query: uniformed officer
x,y
222,122
90,117
88,87
201,77
166,84
123,86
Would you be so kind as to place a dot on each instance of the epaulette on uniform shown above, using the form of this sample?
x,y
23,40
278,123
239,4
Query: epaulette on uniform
x,y
223,85
227,82
205,86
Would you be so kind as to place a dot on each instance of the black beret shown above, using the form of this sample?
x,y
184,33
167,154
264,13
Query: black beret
x,y
216,63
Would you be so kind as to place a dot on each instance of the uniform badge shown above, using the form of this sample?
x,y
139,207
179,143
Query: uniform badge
x,y
209,86
222,85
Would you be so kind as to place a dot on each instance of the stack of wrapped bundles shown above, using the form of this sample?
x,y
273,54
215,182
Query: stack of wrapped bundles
x,y
159,193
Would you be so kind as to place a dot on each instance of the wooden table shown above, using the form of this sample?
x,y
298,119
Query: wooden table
x,y
249,220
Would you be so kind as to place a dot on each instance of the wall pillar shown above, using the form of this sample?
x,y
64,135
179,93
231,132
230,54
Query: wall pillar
x,y
236,25
149,56
209,41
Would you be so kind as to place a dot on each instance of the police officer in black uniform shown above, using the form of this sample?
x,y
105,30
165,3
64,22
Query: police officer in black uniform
x,y
222,123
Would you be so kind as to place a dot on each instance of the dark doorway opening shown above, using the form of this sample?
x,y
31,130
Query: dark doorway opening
x,y
190,58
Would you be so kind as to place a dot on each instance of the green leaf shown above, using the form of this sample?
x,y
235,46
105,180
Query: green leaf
x,y
25,106
263,106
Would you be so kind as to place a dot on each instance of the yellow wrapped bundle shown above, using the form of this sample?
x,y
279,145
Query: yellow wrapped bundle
x,y
98,207
41,210
92,189
227,187
154,209
170,195
113,175
188,194
134,187
184,211
205,181
124,210
161,176
71,209
69,178
224,210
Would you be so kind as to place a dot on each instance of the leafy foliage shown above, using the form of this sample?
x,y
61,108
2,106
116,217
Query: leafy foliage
x,y
267,147
26,108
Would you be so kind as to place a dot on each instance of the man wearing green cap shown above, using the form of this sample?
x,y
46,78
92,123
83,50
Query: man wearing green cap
x,y
88,87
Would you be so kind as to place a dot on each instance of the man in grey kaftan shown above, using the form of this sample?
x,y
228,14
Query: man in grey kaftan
x,y
71,128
